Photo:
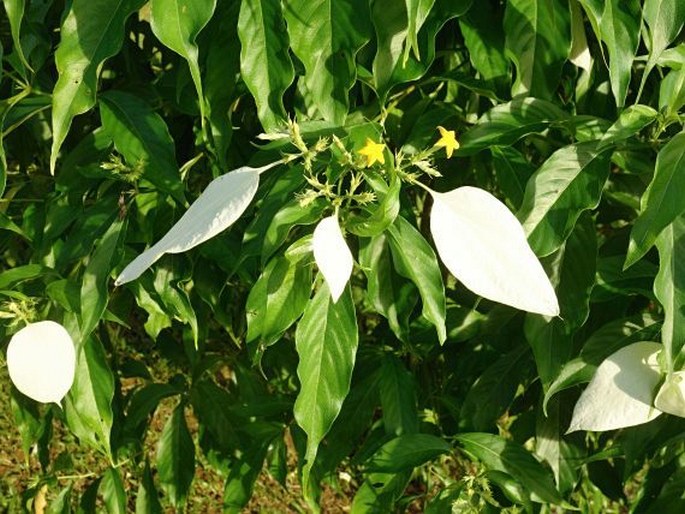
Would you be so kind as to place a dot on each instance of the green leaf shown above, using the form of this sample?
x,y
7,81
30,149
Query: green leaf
x,y
669,288
94,291
391,66
662,202
211,404
496,453
144,401
62,503
278,298
290,215
387,209
569,182
398,398
326,36
415,259
326,342
27,419
538,42
407,452
15,16
88,406
484,38
264,61
242,477
633,119
392,297
617,24
494,390
512,170
176,457
142,137
506,123
113,493
92,31
664,19
672,92
417,12
176,23
147,500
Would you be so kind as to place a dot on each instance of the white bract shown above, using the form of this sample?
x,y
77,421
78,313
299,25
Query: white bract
x,y
671,395
484,246
217,208
332,255
622,390
41,360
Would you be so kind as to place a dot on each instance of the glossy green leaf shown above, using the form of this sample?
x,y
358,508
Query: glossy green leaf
x,y
326,36
145,400
389,295
662,202
147,499
94,290
484,38
669,288
397,389
143,138
291,215
278,298
26,418
390,20
494,390
211,404
617,24
672,91
326,342
417,12
112,491
538,42
665,20
15,16
415,259
88,406
264,61
499,454
242,477
505,124
406,452
176,23
512,170
92,31
382,216
568,183
633,119
176,457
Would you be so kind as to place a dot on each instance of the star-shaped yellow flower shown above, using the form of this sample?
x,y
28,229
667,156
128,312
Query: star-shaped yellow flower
x,y
448,141
373,152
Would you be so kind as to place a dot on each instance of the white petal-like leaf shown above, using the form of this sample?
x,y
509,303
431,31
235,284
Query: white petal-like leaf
x,y
622,390
671,395
332,255
483,245
217,208
41,361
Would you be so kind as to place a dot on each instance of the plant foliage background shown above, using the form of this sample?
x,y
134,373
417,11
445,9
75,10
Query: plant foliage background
x,y
116,115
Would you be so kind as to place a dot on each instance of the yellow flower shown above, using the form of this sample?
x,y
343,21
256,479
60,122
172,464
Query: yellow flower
x,y
373,152
448,141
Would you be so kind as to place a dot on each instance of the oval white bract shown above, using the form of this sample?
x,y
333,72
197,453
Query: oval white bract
x,y
671,395
332,255
41,360
621,392
484,246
